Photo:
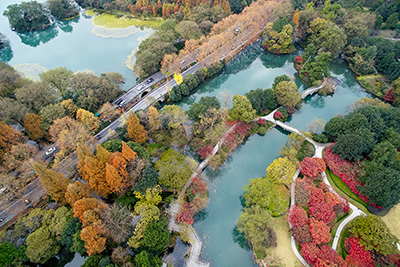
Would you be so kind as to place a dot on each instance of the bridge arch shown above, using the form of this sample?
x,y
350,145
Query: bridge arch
x,y
144,94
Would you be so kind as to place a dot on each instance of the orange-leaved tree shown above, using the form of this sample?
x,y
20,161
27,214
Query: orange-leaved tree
x,y
54,183
127,152
8,138
296,17
136,131
93,235
32,126
88,210
75,192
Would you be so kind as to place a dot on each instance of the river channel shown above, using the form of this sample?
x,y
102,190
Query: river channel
x,y
74,46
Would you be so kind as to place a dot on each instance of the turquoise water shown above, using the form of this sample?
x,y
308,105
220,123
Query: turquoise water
x,y
70,44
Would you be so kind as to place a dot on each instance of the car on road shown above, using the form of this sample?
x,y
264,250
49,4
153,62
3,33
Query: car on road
x,y
118,101
140,87
122,103
50,150
150,80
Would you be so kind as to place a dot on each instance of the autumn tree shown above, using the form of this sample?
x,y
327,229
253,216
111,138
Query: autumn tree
x,y
118,223
127,153
297,216
242,109
76,191
281,170
93,235
87,118
287,94
319,231
54,183
8,138
33,126
174,169
70,107
88,210
153,118
311,167
59,125
136,131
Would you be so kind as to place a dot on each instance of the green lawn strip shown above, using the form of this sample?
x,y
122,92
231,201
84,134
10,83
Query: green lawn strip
x,y
111,21
340,248
342,189
338,222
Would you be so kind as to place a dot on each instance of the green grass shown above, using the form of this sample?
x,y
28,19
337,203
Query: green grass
x,y
90,12
392,220
340,248
372,83
342,189
111,21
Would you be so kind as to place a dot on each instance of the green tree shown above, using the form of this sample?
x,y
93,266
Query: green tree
x,y
242,109
148,179
27,16
12,111
156,236
172,117
327,36
188,30
287,94
267,194
382,187
67,237
354,146
199,108
50,113
174,169
9,80
280,78
146,259
373,234
255,224
62,9
35,95
317,69
58,79
41,245
10,255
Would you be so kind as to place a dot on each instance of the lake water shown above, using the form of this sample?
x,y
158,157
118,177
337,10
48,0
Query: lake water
x,y
70,44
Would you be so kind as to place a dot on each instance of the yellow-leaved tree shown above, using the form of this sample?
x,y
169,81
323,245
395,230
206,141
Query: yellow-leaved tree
x,y
281,170
136,131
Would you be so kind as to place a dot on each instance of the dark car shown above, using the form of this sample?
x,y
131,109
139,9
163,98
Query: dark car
x,y
118,101
150,80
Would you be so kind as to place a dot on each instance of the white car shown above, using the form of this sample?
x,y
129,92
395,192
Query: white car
x,y
50,150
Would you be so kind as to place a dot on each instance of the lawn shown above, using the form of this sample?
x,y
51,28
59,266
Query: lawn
x,y
392,220
342,189
111,21
284,248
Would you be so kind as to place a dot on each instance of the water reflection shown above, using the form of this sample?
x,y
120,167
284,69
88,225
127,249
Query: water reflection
x,y
6,52
239,239
36,38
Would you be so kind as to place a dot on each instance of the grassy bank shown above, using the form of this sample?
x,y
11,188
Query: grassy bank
x,y
392,220
373,84
342,189
111,21
284,248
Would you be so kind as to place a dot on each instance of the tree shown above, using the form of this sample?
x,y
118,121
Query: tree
x,y
9,80
311,167
59,126
267,194
354,146
9,253
316,126
287,94
327,36
185,215
281,170
254,223
12,111
95,242
242,109
88,210
156,236
62,9
153,118
188,30
35,96
149,178
297,216
27,16
319,231
67,237
70,107
310,252
51,113
41,246
145,259
172,117
262,99
199,108
59,78
136,131
32,126
87,118
76,191
118,223
54,183
174,169
8,138
301,234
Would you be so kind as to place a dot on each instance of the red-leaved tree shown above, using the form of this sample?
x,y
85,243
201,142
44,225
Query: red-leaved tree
x,y
185,215
278,115
198,186
205,151
389,95
319,231
310,252
297,216
311,167
301,234
357,256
